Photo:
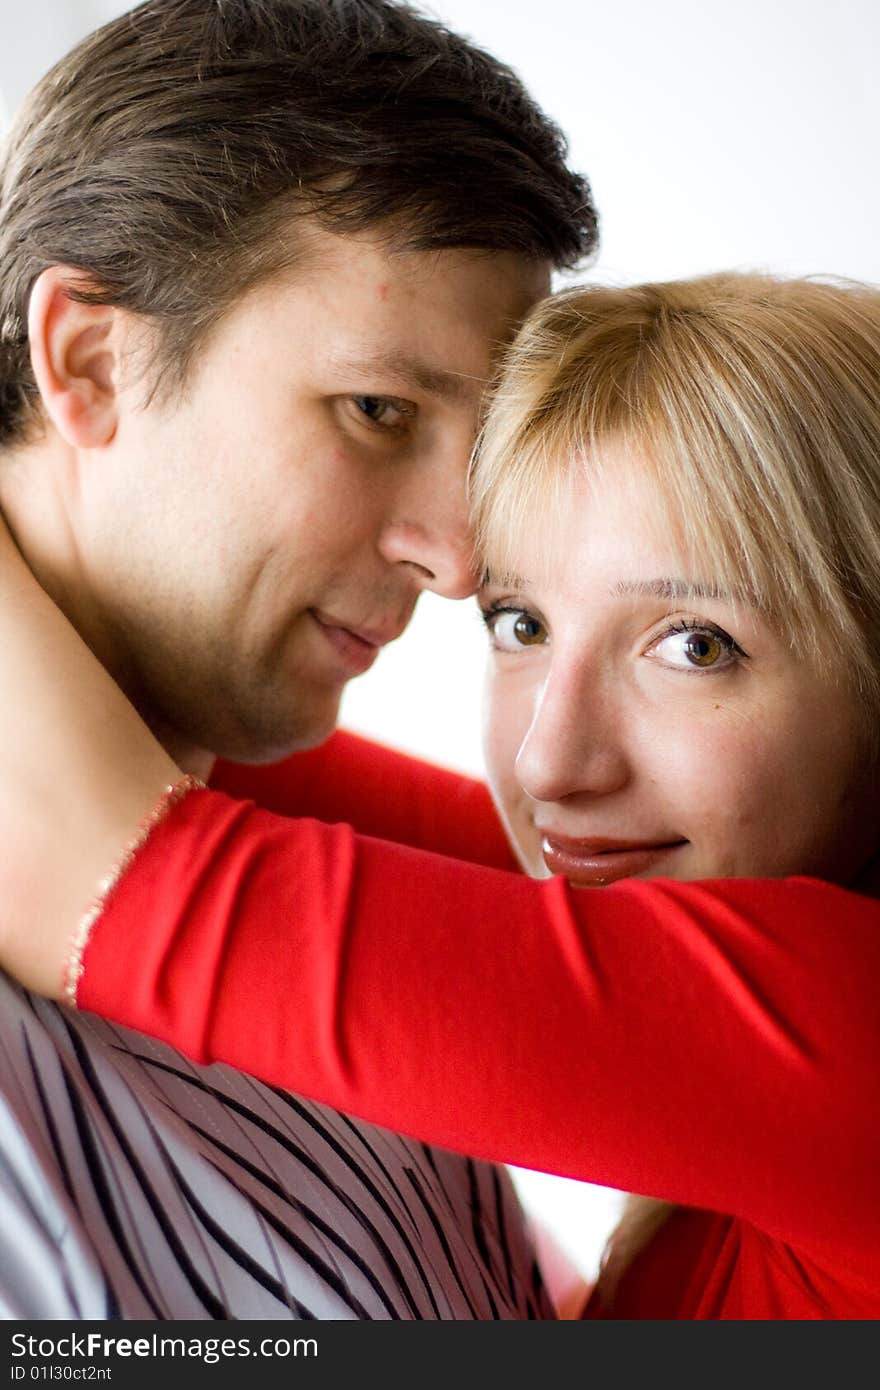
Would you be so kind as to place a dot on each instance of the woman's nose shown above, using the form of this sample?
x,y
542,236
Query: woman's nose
x,y
575,743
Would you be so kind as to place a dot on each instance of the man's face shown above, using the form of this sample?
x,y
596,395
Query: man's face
x,y
252,545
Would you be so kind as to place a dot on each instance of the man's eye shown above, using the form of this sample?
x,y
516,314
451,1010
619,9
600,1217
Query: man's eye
x,y
385,411
511,629
697,647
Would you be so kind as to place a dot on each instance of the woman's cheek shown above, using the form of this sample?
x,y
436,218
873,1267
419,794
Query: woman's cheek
x,y
720,793
506,719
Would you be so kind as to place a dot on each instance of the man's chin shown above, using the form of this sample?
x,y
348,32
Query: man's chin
x,y
242,725
269,739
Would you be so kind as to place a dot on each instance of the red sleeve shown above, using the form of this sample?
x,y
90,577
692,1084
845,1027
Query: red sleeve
x,y
715,1044
380,792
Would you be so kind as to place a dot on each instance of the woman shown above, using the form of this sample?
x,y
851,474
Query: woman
x,y
678,499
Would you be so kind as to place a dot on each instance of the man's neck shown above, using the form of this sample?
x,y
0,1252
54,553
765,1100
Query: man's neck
x,y
37,503
198,762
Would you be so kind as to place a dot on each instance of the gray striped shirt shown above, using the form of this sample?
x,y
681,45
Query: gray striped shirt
x,y
134,1184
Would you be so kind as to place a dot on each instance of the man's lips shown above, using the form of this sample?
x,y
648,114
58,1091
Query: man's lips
x,y
357,647
594,863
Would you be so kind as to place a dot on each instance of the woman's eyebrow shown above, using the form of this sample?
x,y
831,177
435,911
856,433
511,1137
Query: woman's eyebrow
x,y
668,588
498,579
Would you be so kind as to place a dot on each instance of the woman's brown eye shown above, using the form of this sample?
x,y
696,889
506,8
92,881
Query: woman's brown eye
x,y
528,630
703,648
511,629
696,648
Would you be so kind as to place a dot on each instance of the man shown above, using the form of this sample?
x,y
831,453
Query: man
x,y
257,258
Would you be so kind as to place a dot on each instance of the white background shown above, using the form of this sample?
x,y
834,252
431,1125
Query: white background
x,y
715,135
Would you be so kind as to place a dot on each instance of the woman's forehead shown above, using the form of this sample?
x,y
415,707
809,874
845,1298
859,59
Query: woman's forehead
x,y
615,506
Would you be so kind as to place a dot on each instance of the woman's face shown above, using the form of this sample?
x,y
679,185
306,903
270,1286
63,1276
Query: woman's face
x,y
640,724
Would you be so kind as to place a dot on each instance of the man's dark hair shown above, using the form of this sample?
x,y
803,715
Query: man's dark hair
x,y
167,154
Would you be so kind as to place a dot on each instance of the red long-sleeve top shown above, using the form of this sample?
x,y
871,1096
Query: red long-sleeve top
x,y
715,1044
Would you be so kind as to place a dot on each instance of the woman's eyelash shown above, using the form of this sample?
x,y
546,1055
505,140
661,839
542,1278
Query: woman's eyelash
x,y
701,625
497,610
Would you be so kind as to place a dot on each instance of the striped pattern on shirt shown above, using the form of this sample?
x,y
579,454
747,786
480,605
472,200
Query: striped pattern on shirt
x,y
134,1184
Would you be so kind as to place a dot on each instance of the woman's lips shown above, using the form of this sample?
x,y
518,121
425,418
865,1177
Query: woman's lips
x,y
596,863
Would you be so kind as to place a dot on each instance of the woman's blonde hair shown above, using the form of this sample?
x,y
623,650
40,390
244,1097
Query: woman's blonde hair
x,y
755,403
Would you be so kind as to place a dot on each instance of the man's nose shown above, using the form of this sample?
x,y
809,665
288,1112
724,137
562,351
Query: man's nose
x,y
430,532
575,745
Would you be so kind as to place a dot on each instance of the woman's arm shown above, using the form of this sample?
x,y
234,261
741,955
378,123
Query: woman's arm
x,y
380,792
713,1044
79,772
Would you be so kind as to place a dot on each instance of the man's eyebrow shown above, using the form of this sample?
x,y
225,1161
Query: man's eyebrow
x,y
670,589
407,372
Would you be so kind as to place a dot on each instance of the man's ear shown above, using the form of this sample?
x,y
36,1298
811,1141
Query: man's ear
x,y
75,356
